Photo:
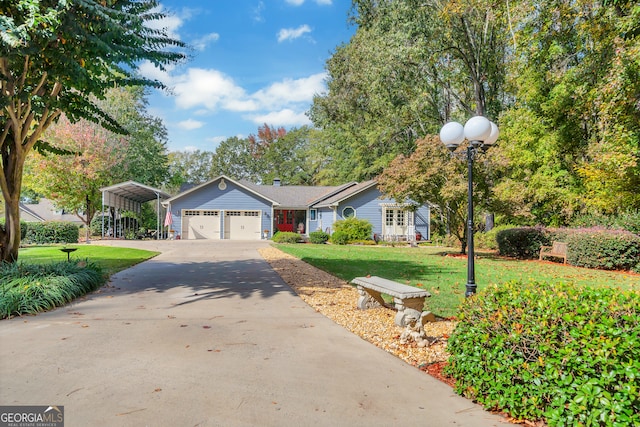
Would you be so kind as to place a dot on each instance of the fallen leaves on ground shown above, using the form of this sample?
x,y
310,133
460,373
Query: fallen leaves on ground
x,y
336,299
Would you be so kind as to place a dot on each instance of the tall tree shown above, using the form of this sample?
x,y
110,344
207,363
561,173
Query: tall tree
x,y
54,55
73,181
410,67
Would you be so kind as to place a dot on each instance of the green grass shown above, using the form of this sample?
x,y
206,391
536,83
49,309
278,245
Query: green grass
x,y
110,259
42,278
443,274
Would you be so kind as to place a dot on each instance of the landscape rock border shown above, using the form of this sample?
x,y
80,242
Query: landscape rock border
x,y
336,299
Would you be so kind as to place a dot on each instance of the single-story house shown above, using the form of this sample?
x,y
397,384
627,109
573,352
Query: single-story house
x,y
45,210
224,208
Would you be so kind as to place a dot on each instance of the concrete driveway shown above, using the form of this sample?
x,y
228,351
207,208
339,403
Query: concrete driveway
x,y
207,334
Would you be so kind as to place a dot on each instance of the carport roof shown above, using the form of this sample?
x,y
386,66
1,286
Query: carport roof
x,y
129,193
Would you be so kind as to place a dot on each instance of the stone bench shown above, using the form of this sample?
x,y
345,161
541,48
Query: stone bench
x,y
409,301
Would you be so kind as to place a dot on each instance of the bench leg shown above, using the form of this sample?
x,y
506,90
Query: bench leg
x,y
410,308
369,299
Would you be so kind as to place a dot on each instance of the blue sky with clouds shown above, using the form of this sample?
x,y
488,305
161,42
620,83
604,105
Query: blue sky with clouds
x,y
252,62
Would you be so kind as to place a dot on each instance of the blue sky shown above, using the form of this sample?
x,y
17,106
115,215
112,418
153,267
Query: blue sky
x,y
252,62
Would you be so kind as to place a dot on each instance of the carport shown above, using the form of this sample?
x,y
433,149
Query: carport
x,y
129,196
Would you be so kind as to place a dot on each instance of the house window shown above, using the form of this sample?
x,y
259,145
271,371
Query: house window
x,y
389,215
313,214
400,218
348,212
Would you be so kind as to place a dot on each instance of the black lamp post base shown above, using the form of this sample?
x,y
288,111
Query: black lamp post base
x,y
471,289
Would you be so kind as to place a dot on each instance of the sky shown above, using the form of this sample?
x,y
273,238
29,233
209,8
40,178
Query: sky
x,y
251,62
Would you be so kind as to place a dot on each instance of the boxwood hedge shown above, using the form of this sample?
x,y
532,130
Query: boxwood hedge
x,y
558,353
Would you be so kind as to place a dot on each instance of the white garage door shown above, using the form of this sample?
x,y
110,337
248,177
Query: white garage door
x,y
200,224
242,225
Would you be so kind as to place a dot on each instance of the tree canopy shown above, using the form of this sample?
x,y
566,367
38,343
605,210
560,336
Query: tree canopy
x,y
58,57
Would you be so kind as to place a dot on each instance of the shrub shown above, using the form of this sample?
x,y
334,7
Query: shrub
x,y
286,237
604,249
487,240
318,237
52,232
629,221
24,226
339,238
354,228
565,354
29,289
522,242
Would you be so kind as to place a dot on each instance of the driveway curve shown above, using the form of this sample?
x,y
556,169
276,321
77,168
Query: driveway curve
x,y
207,334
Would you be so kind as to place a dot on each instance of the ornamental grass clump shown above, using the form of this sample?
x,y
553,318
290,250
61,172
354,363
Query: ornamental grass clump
x,y
33,288
554,352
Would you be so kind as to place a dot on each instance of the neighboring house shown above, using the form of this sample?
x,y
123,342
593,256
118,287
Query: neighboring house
x,y
224,208
46,211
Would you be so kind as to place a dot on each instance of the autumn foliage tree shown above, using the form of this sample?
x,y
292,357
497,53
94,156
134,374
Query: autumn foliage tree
x,y
55,57
73,180
432,175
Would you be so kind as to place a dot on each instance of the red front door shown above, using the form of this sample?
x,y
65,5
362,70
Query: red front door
x,y
284,220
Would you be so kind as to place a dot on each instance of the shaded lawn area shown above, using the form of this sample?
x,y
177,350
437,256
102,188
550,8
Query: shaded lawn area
x,y
443,272
110,259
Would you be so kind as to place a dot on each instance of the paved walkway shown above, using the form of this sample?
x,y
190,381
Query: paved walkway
x,y
207,334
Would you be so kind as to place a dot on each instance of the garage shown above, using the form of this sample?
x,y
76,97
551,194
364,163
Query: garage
x,y
242,225
201,224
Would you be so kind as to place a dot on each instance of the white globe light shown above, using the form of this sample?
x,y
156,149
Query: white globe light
x,y
478,128
493,136
452,134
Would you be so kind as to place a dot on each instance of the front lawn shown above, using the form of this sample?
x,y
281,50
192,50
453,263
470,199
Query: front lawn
x,y
110,259
42,279
443,272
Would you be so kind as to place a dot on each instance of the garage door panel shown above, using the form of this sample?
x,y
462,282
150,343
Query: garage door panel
x,y
201,224
242,225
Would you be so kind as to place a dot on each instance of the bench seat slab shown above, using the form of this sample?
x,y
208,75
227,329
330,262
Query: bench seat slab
x,y
409,301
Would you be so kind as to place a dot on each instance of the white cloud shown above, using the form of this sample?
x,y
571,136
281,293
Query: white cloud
x,y
190,148
257,12
150,71
301,2
202,43
170,23
286,117
293,33
207,88
291,91
190,124
216,139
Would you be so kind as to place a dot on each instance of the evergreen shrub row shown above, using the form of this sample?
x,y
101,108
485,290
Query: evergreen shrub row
x,y
595,247
51,232
559,353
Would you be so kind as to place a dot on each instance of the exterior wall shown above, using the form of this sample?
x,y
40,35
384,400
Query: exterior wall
x,y
210,197
324,220
368,206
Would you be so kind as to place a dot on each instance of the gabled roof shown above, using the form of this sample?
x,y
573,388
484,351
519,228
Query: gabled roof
x,y
346,193
296,196
45,210
243,184
290,196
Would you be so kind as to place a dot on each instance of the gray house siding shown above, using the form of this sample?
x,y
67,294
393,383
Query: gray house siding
x,y
210,197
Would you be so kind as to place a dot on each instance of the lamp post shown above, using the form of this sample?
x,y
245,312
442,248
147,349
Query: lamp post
x,y
481,134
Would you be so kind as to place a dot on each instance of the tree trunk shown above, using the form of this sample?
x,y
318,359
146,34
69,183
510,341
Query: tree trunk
x,y
10,241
